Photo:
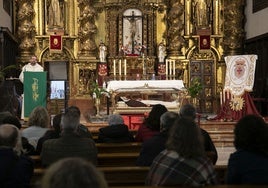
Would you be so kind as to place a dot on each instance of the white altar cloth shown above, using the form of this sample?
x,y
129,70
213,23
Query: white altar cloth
x,y
115,85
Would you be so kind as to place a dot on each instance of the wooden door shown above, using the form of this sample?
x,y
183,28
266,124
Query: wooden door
x,y
205,71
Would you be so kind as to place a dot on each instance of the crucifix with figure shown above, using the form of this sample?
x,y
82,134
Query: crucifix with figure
x,y
133,28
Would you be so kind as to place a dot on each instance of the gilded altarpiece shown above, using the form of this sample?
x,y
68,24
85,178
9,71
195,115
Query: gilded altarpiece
x,y
84,24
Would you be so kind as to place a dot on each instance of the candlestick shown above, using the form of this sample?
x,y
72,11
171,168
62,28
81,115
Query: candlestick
x,y
174,68
223,95
120,67
114,68
170,67
221,98
166,68
125,67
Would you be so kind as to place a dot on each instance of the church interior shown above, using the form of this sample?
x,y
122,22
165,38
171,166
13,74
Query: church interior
x,y
80,43
124,56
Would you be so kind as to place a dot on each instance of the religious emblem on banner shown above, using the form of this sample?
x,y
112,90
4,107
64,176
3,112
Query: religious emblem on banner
x,y
239,68
55,43
204,39
161,69
102,69
35,89
237,103
240,73
204,42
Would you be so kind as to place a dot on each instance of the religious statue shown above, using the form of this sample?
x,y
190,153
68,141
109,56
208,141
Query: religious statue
x,y
161,52
55,13
201,13
102,52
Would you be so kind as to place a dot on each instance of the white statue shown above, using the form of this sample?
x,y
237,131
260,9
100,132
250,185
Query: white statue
x,y
102,51
161,52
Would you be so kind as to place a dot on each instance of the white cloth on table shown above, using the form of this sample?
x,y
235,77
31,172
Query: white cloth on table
x,y
132,84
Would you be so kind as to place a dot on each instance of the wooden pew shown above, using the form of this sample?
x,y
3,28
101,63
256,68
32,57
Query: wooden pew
x,y
105,159
117,159
119,147
95,133
125,176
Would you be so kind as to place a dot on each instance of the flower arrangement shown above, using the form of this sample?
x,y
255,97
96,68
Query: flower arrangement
x,y
195,87
97,91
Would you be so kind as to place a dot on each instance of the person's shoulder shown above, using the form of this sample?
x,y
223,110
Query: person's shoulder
x,y
50,142
26,159
157,140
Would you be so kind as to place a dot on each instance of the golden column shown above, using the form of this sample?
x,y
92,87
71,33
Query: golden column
x,y
87,29
26,29
174,33
234,33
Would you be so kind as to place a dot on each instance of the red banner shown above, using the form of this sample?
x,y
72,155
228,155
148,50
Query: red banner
x,y
55,43
204,42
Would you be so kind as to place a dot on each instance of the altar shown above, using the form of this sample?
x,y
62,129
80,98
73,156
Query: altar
x,y
138,96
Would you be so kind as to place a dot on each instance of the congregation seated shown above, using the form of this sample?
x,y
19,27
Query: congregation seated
x,y
73,172
16,168
70,144
249,163
151,124
115,132
189,111
81,130
184,162
153,146
28,149
38,124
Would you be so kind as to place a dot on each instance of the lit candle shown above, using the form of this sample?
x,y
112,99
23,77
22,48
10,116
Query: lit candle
x,y
174,68
125,67
166,68
114,68
120,67
223,95
170,67
221,98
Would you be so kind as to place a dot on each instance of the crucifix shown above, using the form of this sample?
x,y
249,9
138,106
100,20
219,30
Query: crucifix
x,y
133,29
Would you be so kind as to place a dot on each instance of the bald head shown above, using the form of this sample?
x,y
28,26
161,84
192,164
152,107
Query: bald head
x,y
8,135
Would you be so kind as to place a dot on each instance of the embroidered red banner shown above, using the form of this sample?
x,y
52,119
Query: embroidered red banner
x,y
204,42
55,43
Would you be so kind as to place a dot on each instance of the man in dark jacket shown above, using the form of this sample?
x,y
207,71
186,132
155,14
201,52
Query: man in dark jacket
x,y
116,132
16,169
70,144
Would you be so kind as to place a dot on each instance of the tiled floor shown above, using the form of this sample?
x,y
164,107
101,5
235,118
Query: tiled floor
x,y
223,155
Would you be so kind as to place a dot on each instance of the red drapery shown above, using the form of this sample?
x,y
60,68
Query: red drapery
x,y
227,114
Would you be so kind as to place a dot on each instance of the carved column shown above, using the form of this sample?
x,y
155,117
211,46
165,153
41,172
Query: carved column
x,y
26,29
87,29
175,27
113,36
233,27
